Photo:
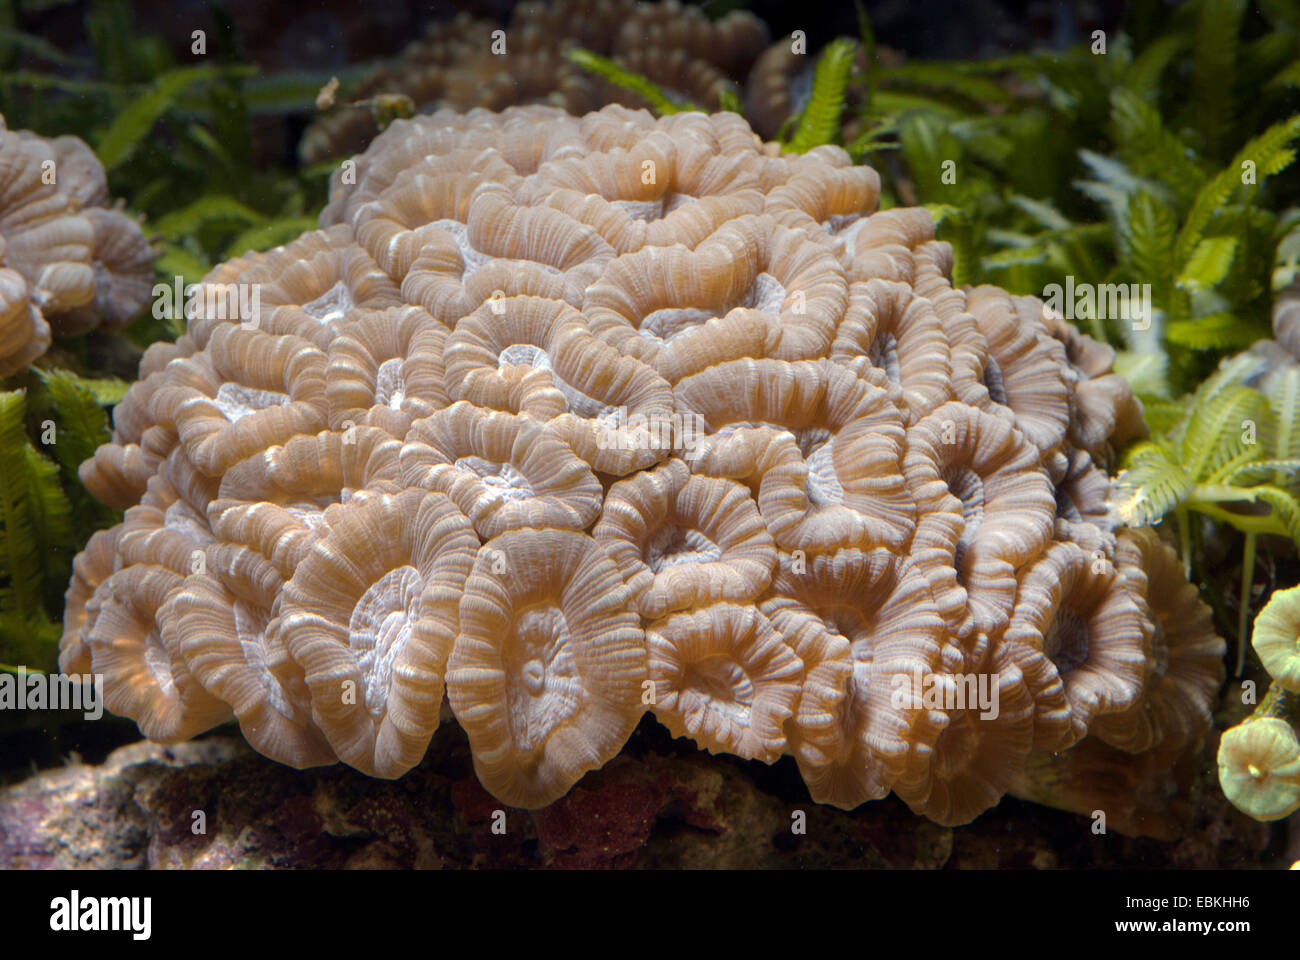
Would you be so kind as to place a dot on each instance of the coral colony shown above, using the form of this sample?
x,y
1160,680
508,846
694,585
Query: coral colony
x,y
458,65
67,263
580,417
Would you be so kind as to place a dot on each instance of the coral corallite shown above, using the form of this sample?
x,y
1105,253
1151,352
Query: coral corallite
x,y
578,418
68,263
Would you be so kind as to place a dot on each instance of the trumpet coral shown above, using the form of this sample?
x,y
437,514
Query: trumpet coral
x,y
1259,767
583,418
67,263
469,62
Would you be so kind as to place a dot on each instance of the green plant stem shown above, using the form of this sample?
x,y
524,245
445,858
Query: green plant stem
x,y
1243,615
628,80
1277,704
1184,537
1239,521
1213,597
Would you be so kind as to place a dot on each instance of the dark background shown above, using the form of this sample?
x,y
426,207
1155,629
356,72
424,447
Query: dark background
x,y
325,34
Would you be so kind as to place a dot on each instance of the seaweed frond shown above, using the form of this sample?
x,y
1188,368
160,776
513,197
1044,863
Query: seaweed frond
x,y
659,101
46,515
81,422
20,560
1265,155
820,120
134,122
1216,46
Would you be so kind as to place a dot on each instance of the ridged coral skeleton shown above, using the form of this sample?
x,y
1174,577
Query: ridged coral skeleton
x,y
515,423
67,263
460,63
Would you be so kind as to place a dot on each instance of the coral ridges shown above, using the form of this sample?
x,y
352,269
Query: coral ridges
x,y
470,62
68,263
576,418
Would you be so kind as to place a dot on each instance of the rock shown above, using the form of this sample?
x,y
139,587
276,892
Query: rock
x,y
215,804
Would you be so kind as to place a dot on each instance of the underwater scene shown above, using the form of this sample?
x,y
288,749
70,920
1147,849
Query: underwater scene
x,y
626,434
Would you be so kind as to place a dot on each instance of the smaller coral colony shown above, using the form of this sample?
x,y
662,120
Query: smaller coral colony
x,y
579,417
68,263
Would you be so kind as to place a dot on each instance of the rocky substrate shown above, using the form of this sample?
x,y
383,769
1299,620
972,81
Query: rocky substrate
x,y
654,806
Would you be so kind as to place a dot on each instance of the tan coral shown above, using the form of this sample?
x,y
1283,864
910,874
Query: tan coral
x,y
224,632
1023,371
1079,637
45,246
458,64
1109,415
47,240
309,472
81,264
1187,655
656,192
865,626
168,528
1106,414
386,369
731,41
546,243
725,678
274,503
824,201
980,746
94,565
536,356
80,174
118,473
316,292
768,100
896,341
133,643
431,197
547,675
122,261
247,390
522,138
24,334
370,617
503,471
501,356
932,279
836,479
651,304
741,453
880,247
682,541
985,510
306,289
1082,513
